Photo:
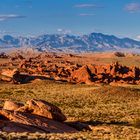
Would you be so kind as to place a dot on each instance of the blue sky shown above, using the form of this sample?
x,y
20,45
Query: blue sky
x,y
34,17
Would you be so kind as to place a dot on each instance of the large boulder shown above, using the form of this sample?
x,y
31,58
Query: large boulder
x,y
14,121
82,75
10,105
9,126
14,76
11,76
9,73
43,108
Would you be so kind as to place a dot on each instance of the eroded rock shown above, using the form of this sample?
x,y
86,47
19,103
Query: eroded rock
x,y
11,75
50,66
43,108
10,105
82,75
14,121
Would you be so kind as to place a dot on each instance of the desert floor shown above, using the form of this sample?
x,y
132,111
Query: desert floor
x,y
112,112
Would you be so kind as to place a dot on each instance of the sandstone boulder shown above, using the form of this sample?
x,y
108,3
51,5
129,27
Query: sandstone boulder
x,y
11,75
8,126
93,69
13,121
10,105
82,75
43,108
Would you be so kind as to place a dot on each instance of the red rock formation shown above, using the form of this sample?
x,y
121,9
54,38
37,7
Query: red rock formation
x,y
14,121
10,105
35,119
11,76
56,68
82,75
43,108
107,74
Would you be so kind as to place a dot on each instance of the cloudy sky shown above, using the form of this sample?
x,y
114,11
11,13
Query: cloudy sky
x,y
33,17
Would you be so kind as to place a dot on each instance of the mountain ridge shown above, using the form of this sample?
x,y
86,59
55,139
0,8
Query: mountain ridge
x,y
98,42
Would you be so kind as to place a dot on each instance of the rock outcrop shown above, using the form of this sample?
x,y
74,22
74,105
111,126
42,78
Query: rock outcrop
x,y
55,67
11,75
10,105
43,108
12,119
82,75
14,76
107,74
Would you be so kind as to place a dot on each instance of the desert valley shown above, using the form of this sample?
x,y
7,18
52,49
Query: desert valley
x,y
84,96
70,70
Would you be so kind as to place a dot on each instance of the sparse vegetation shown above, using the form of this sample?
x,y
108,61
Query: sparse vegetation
x,y
110,111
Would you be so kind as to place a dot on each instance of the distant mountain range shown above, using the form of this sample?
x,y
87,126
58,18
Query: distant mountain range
x,y
70,43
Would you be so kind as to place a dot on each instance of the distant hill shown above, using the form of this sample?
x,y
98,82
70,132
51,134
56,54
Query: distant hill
x,y
71,43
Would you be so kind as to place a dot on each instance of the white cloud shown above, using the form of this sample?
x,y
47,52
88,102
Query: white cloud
x,y
10,16
84,14
59,30
64,31
138,37
133,7
87,6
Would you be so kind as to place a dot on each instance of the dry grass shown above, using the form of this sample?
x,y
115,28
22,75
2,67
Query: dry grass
x,y
112,112
106,58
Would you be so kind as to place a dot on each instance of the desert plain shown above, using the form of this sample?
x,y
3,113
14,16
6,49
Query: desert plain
x,y
98,93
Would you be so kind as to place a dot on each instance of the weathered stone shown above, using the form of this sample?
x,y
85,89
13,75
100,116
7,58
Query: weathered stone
x,y
82,75
10,105
8,126
26,122
9,73
43,108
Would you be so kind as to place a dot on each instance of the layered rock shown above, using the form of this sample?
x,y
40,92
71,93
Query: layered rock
x,y
14,76
10,105
26,122
43,108
10,75
13,118
54,68
107,74
82,75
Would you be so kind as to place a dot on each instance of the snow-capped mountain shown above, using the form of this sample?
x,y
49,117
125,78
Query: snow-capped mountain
x,y
64,42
